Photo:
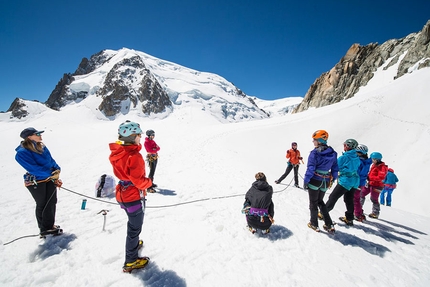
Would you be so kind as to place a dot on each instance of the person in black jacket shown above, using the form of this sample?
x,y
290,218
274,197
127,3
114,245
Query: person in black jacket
x,y
258,206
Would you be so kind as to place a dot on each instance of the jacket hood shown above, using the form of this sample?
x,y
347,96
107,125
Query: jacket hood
x,y
119,151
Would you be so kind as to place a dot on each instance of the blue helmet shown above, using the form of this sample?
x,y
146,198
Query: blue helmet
x,y
376,155
128,128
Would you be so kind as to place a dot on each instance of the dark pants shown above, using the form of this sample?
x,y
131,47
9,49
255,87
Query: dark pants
x,y
45,195
348,198
255,222
152,167
288,170
134,227
316,200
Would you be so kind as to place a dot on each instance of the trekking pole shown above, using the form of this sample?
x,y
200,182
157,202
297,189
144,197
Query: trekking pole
x,y
104,212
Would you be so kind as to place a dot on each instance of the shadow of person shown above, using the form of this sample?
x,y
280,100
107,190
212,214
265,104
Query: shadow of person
x,y
352,240
167,192
53,245
277,232
154,277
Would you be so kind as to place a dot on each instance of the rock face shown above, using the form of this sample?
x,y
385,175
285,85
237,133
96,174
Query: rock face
x,y
18,109
127,83
356,68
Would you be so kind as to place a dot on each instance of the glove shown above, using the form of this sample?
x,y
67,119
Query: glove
x,y
55,175
58,183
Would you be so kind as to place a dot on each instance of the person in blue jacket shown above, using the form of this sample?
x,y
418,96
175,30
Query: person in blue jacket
x,y
390,183
348,180
321,169
42,177
363,171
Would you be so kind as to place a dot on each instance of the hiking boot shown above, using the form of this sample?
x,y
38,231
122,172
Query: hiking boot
x,y
277,182
329,229
151,190
139,263
373,215
320,216
265,231
315,228
296,185
360,218
348,222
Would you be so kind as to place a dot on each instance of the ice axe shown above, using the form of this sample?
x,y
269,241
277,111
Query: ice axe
x,y
104,212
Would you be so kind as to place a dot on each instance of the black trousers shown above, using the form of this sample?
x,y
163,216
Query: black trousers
x,y
288,170
45,195
348,198
152,167
316,201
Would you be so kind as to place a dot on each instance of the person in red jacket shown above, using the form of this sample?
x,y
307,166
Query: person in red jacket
x,y
293,156
374,184
129,167
152,156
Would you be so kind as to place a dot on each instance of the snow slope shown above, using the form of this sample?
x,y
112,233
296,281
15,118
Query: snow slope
x,y
194,231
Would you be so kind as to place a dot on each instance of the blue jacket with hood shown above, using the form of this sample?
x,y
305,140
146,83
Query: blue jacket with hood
x,y
39,165
349,163
322,160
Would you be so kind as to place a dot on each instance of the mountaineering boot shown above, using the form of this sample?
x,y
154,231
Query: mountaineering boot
x,y
320,216
252,230
277,182
373,215
296,185
315,228
54,232
151,190
330,229
139,263
348,222
360,218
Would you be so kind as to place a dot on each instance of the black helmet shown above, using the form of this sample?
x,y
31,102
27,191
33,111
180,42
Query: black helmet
x,y
150,133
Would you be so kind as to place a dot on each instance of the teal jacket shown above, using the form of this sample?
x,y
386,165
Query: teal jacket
x,y
348,164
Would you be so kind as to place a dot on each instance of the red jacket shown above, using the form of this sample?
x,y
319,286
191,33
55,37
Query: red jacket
x,y
151,146
128,165
294,156
377,174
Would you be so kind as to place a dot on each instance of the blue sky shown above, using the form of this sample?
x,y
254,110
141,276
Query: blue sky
x,y
269,49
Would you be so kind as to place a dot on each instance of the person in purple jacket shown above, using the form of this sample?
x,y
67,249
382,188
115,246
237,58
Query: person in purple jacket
x,y
321,170
41,179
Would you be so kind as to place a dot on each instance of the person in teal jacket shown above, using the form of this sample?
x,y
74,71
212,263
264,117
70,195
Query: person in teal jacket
x,y
348,180
390,183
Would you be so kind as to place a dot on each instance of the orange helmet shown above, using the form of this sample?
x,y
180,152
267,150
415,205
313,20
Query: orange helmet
x,y
321,136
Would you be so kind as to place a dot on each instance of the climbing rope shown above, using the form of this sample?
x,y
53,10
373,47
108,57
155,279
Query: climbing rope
x,y
158,206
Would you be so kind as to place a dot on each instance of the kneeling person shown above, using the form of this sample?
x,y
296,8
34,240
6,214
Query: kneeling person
x,y
258,206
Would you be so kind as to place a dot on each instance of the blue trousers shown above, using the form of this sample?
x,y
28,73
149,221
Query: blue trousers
x,y
386,191
134,227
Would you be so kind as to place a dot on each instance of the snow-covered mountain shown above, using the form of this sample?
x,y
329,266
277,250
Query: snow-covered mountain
x,y
113,83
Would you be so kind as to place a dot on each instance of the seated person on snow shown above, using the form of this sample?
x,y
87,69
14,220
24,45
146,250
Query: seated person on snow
x,y
258,206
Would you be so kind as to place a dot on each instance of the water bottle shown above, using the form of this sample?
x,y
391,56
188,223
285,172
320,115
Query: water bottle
x,y
84,203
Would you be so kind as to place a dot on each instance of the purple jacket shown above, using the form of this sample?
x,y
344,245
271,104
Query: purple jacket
x,y
322,159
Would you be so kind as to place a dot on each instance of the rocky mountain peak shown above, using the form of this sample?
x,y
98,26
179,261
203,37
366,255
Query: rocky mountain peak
x,y
356,68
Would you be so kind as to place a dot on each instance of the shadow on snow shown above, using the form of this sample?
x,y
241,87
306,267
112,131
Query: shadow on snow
x,y
352,240
152,276
53,245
